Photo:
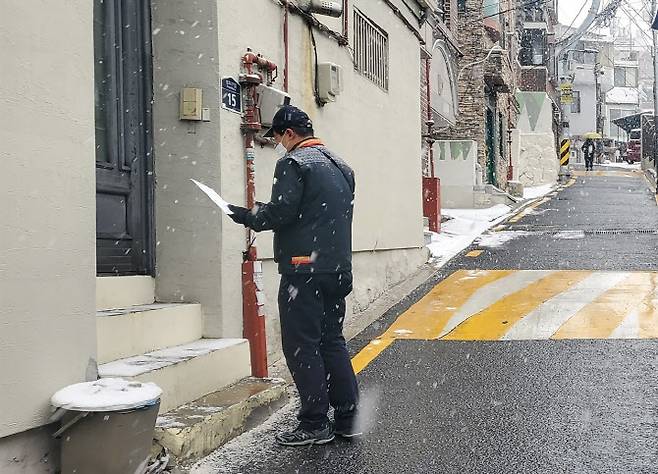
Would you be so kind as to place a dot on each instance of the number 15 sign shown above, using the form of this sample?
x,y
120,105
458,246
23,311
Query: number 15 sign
x,y
231,95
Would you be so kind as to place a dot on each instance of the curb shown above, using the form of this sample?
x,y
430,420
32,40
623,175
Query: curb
x,y
194,430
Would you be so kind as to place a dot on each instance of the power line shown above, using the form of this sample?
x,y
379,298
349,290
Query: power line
x,y
572,21
519,7
632,18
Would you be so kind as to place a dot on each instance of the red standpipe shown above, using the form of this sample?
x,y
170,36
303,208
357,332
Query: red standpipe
x,y
431,184
255,71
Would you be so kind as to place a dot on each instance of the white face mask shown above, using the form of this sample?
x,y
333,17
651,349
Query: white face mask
x,y
280,150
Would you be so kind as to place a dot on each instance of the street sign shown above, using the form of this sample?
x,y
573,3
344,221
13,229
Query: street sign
x,y
566,93
231,95
565,151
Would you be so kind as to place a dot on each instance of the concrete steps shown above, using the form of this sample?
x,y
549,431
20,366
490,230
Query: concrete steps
x,y
140,329
124,291
194,430
186,372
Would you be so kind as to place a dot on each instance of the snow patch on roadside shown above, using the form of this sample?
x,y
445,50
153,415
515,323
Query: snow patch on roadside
x,y
569,235
462,229
538,191
496,239
634,166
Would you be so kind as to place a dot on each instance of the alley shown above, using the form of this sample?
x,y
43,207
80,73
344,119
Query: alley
x,y
532,351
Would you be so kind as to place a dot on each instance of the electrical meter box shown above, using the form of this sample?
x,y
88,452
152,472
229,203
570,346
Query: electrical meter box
x,y
330,81
270,100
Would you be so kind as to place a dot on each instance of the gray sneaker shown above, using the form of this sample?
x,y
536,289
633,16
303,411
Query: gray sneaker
x,y
302,437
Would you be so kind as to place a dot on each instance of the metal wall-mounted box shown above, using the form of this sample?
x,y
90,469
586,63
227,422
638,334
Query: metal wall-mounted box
x,y
191,103
270,100
330,81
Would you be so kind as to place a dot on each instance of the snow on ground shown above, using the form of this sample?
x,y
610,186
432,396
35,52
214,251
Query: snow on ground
x,y
466,225
462,229
496,239
634,166
537,191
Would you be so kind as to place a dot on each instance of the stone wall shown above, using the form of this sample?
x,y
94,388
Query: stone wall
x,y
475,42
470,80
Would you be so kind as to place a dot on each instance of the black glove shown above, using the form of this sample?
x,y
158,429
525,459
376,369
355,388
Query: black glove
x,y
239,214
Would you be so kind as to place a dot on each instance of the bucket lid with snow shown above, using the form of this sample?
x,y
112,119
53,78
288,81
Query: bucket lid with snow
x,y
111,394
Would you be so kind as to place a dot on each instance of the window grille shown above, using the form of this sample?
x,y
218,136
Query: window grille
x,y
575,105
370,50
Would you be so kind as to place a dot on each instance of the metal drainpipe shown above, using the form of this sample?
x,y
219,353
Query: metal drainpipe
x,y
255,68
430,141
345,18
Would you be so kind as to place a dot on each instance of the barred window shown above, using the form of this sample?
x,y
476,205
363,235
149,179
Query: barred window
x,y
370,50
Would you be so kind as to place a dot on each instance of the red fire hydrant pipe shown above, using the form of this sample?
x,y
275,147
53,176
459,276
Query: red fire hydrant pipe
x,y
255,70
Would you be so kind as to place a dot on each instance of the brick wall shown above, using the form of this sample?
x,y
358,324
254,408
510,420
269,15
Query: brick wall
x,y
475,43
470,84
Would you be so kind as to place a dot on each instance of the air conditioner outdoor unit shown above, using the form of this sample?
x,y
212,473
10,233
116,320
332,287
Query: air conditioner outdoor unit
x,y
270,100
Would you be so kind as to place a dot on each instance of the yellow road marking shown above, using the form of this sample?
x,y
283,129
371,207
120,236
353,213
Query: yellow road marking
x,y
648,312
369,353
525,211
426,318
500,227
656,196
493,322
571,182
629,309
474,253
601,317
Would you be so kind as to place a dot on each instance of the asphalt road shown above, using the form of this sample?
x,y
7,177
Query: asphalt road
x,y
579,405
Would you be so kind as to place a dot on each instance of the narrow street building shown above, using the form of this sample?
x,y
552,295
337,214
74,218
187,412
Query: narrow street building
x,y
589,67
111,251
535,139
486,85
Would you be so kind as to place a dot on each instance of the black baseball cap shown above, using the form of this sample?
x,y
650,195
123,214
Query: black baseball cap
x,y
289,116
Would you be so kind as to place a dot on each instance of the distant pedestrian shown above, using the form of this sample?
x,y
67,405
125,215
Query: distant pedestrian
x,y
589,150
310,212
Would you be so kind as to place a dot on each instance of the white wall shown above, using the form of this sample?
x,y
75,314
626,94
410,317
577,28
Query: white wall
x,y
455,166
382,147
47,229
536,159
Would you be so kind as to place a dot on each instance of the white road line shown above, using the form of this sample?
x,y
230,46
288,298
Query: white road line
x,y
489,294
629,328
544,321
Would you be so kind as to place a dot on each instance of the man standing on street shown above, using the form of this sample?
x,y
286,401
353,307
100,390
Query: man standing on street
x,y
588,149
310,212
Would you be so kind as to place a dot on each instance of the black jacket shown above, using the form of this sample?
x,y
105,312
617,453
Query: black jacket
x,y
310,212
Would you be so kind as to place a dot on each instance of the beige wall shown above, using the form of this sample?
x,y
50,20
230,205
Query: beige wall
x,y
189,267
376,132
534,153
47,229
199,250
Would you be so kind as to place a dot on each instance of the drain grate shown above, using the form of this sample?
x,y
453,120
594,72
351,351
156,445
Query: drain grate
x,y
620,231
554,229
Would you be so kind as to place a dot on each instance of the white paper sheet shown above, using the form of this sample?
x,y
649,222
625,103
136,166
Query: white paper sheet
x,y
214,197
